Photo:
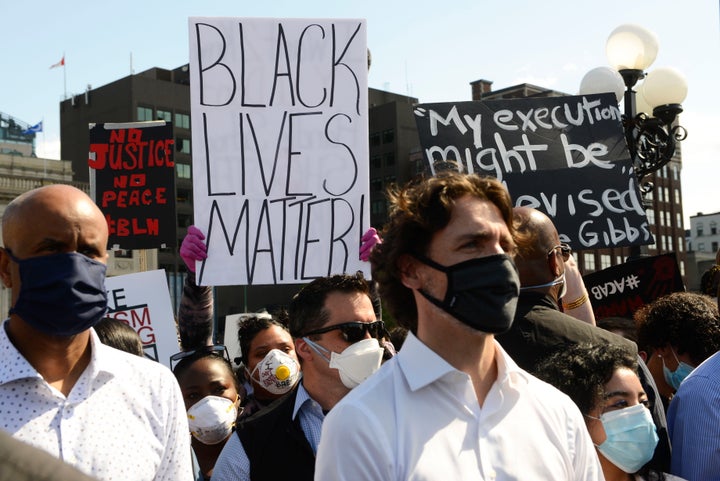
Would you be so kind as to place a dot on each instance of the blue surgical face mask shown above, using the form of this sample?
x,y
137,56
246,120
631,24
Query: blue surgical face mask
x,y
631,437
60,294
676,377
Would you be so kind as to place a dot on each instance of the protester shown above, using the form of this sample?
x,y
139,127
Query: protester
x,y
679,331
452,397
212,396
336,339
109,413
540,328
694,423
268,359
117,334
622,326
603,381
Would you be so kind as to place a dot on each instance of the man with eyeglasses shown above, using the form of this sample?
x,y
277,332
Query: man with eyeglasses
x,y
452,404
540,328
336,340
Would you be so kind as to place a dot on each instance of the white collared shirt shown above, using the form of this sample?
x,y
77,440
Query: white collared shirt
x,y
418,418
123,420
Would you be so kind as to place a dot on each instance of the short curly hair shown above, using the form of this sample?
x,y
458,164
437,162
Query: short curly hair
x,y
583,370
684,320
418,210
251,325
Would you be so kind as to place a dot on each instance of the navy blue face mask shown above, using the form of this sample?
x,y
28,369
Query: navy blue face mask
x,y
60,294
481,293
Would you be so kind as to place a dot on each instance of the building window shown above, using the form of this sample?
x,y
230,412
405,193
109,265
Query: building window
x,y
589,261
376,185
678,220
713,228
682,268
184,195
677,196
376,161
668,219
663,243
388,136
164,115
676,174
680,244
654,244
183,170
182,145
389,159
662,218
699,228
660,194
701,246
182,121
651,216
378,207
144,114
714,246
375,139
605,261
618,260
650,195
667,194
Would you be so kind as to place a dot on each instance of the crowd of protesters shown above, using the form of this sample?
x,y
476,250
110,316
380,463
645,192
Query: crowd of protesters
x,y
495,368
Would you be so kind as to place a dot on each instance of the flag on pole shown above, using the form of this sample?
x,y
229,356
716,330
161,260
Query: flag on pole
x,y
34,129
61,63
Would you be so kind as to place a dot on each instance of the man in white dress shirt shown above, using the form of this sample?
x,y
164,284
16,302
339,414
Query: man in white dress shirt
x,y
110,414
452,404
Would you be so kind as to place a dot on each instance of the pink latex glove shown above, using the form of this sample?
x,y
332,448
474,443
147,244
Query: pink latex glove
x,y
369,240
193,248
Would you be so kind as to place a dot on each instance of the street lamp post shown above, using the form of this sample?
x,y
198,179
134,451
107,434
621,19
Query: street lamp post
x,y
650,112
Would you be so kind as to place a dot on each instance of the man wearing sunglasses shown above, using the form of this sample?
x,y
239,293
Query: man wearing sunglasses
x,y
452,404
540,328
336,340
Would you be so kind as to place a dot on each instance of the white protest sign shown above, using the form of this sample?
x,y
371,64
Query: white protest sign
x,y
280,147
142,300
231,335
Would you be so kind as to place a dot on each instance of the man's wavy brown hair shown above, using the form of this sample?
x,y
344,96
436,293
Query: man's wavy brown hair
x,y
417,211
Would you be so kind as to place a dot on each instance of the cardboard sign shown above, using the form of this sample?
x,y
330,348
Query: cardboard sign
x,y
142,301
565,156
619,291
280,147
133,176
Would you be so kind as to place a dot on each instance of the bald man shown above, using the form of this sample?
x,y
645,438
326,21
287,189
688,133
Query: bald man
x,y
540,328
108,413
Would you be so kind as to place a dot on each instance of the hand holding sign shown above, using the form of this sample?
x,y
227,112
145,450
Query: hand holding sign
x,y
369,240
193,248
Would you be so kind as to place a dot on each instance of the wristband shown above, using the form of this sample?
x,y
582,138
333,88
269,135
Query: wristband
x,y
576,303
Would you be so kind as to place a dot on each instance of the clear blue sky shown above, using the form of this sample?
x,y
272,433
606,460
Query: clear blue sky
x,y
430,50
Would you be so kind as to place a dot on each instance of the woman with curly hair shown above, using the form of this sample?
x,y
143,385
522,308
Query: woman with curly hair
x,y
602,380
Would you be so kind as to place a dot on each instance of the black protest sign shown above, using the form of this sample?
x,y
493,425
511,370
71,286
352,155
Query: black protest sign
x,y
280,147
619,291
134,186
565,156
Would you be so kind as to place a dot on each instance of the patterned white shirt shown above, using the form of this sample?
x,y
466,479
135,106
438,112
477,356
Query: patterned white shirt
x,y
418,418
123,420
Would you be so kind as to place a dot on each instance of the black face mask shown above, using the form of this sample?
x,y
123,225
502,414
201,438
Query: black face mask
x,y
481,293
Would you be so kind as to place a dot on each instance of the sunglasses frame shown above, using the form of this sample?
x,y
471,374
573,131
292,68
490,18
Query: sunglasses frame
x,y
366,328
565,250
218,349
